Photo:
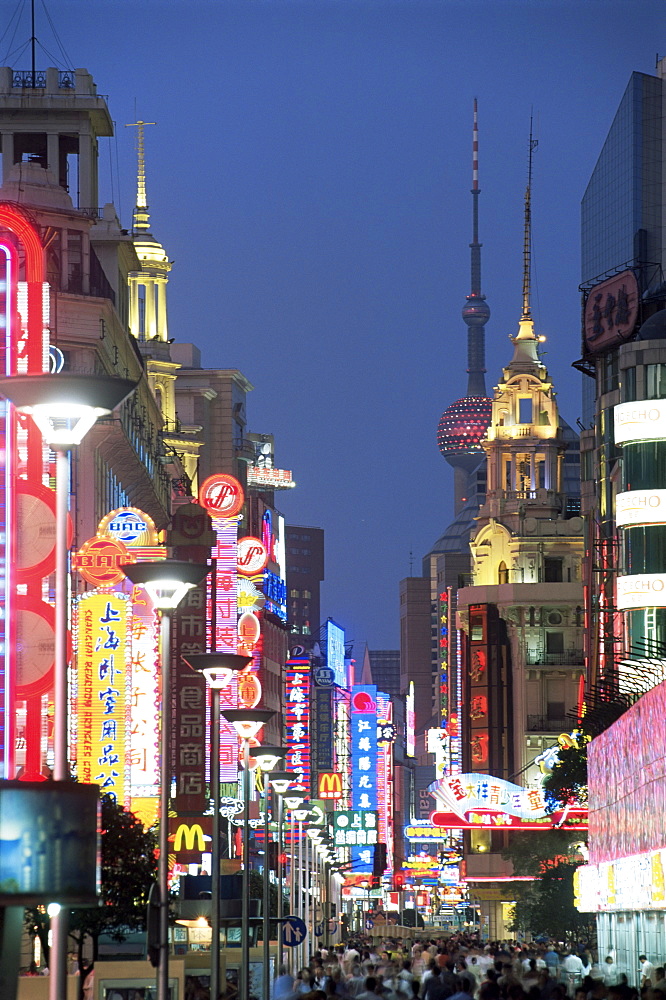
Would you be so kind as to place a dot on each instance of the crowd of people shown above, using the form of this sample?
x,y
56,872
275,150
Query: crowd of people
x,y
461,968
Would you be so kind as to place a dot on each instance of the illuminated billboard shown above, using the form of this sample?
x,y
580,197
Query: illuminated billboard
x,y
627,791
335,652
49,843
633,883
297,718
644,420
643,590
640,507
363,712
103,691
468,801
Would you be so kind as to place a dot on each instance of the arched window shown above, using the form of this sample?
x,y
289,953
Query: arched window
x,y
502,573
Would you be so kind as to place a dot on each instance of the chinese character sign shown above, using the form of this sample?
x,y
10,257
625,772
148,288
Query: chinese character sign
x,y
443,655
363,717
144,700
356,828
297,719
102,702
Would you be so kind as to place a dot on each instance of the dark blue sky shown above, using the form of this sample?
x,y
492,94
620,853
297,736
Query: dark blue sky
x,y
309,175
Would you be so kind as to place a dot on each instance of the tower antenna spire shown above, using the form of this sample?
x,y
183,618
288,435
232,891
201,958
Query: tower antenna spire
x,y
475,311
527,235
141,216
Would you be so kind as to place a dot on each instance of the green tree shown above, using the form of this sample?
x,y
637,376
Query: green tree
x,y
128,868
546,906
567,782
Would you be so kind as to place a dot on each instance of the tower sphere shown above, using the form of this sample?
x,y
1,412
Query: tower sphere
x,y
476,311
463,425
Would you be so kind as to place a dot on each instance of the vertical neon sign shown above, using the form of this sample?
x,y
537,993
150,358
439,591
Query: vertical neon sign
x,y
23,349
364,762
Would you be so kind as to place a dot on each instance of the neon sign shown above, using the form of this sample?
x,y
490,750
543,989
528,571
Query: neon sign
x,y
102,703
364,762
335,652
297,719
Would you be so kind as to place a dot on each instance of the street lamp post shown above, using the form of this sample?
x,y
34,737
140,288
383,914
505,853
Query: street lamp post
x,y
280,780
267,758
218,668
301,815
247,722
293,800
167,582
64,407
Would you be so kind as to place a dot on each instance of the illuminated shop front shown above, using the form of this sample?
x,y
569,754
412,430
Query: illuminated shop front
x,y
624,880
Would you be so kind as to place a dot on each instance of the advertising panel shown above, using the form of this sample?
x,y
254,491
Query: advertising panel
x,y
364,762
49,843
644,420
335,652
633,883
297,718
323,729
642,590
640,507
356,828
627,781
102,692
466,801
611,311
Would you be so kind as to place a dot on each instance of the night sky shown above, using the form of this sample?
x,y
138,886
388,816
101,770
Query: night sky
x,y
309,174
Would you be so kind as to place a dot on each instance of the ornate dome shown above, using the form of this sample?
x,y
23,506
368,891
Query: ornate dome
x,y
463,425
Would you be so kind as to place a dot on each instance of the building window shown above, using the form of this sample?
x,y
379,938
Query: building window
x,y
552,570
525,410
294,593
655,381
629,385
306,595
554,642
502,573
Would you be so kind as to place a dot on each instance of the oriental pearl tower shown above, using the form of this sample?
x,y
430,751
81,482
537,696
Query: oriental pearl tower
x,y
463,424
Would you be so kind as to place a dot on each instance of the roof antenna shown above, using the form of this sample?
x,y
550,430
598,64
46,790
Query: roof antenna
x,y
141,216
527,237
411,562
32,41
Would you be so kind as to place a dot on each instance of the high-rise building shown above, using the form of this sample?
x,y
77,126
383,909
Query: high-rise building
x,y
623,353
305,574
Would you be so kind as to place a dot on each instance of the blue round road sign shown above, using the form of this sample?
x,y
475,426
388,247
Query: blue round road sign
x,y
293,931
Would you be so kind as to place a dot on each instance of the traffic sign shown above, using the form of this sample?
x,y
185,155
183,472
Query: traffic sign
x,y
294,931
319,930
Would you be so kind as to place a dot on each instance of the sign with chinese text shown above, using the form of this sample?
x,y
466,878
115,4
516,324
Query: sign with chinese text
x,y
323,729
611,311
102,691
363,723
297,718
355,828
466,801
144,699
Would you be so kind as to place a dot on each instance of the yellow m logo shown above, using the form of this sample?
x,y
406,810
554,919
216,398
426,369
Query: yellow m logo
x,y
189,834
330,785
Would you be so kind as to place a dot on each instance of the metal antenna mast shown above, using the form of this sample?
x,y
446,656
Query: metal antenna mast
x,y
141,216
527,236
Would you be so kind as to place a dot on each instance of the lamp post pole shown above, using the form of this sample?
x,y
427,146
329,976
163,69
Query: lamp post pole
x,y
247,723
267,898
218,669
167,582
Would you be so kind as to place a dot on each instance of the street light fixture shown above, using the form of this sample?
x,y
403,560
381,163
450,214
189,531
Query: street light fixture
x,y
167,582
218,669
267,758
247,722
64,407
281,782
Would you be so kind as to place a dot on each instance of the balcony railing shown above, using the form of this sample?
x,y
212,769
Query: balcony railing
x,y
542,724
569,658
37,81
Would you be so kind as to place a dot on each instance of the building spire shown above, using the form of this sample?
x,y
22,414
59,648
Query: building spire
x,y
526,340
141,216
476,312
527,236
